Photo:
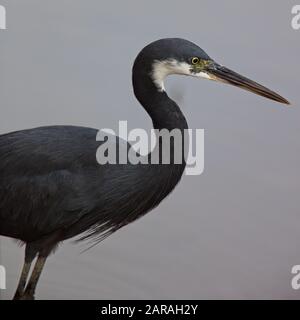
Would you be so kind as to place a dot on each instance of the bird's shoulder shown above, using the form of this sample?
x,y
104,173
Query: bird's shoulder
x,y
51,148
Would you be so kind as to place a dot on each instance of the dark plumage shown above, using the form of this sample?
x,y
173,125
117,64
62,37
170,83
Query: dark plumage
x,y
52,188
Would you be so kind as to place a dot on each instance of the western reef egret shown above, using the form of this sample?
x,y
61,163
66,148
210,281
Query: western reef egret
x,y
52,188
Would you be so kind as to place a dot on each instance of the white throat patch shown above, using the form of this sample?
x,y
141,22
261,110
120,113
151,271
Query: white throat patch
x,y
161,69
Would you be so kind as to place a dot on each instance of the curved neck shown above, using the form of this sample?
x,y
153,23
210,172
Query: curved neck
x,y
164,112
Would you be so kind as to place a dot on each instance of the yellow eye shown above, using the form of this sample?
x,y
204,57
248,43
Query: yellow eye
x,y
195,60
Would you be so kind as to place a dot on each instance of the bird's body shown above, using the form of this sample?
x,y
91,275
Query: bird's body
x,y
53,188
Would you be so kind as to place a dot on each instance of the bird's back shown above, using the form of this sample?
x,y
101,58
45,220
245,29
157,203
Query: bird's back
x,y
45,149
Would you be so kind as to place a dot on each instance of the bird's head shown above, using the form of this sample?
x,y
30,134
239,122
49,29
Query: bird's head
x,y
178,56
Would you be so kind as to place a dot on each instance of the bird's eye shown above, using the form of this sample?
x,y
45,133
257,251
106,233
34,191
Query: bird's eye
x,y
195,60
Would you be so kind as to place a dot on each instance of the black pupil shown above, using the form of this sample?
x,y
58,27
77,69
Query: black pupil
x,y
195,60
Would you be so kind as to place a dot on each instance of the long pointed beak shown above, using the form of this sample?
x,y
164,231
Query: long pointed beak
x,y
222,74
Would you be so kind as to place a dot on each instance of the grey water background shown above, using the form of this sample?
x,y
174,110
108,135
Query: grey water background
x,y
234,231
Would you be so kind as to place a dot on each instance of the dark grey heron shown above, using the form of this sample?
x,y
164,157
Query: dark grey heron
x,y
52,188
